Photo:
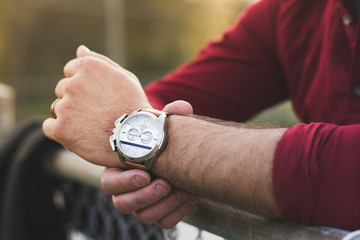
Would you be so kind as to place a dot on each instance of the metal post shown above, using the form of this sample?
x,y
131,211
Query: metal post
x,y
7,109
115,42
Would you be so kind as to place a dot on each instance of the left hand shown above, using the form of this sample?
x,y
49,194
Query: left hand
x,y
154,201
94,93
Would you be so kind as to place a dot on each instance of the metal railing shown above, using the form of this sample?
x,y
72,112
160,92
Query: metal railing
x,y
222,220
7,109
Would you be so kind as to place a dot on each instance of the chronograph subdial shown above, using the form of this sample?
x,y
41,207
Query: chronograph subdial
x,y
146,137
133,134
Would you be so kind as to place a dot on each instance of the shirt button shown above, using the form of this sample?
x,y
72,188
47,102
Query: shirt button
x,y
347,20
356,90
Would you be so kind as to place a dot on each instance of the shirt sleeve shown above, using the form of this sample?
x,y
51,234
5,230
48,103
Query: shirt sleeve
x,y
233,78
316,175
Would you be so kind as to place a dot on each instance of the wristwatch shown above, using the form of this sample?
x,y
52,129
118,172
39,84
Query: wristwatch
x,y
139,137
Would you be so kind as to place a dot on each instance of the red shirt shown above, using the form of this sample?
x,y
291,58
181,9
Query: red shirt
x,y
307,51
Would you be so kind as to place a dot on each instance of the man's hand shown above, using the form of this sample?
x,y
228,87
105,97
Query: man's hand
x,y
94,93
151,202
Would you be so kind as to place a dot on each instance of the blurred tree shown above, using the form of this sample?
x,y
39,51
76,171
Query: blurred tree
x,y
161,34
37,37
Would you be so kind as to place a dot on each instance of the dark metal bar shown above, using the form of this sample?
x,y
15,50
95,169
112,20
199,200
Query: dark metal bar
x,y
220,219
232,223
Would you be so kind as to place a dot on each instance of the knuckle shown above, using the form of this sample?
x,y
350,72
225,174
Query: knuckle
x,y
64,106
104,184
89,64
59,131
181,196
119,206
64,109
64,86
73,86
48,129
141,199
144,217
62,133
66,68
165,223
60,85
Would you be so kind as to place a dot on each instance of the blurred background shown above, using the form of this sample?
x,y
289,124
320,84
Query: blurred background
x,y
148,37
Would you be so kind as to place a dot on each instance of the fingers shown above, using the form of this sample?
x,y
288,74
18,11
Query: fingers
x,y
61,87
48,127
71,67
83,54
113,183
86,63
132,201
83,51
132,189
177,215
168,211
155,202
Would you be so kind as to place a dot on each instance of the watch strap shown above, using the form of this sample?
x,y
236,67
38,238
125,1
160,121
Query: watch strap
x,y
134,165
146,165
153,111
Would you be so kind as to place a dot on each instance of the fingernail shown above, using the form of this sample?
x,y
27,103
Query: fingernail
x,y
182,195
161,190
139,181
193,200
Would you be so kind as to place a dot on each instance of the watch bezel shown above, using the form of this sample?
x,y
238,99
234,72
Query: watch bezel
x,y
160,125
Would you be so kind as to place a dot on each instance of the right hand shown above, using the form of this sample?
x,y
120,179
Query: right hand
x,y
154,201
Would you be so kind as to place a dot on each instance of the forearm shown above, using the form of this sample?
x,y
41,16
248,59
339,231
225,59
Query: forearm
x,y
230,164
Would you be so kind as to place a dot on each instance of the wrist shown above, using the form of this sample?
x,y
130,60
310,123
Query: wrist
x,y
168,163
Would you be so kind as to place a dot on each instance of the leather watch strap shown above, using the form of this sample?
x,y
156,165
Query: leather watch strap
x,y
153,111
134,165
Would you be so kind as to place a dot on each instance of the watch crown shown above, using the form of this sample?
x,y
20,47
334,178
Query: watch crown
x,y
112,143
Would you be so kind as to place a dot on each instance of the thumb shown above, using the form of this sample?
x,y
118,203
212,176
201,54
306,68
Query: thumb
x,y
83,51
179,107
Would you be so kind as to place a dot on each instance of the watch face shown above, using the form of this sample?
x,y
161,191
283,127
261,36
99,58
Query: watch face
x,y
138,135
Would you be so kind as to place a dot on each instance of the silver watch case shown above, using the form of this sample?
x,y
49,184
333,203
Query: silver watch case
x,y
146,160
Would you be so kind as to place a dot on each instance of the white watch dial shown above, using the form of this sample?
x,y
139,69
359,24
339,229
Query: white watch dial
x,y
138,135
